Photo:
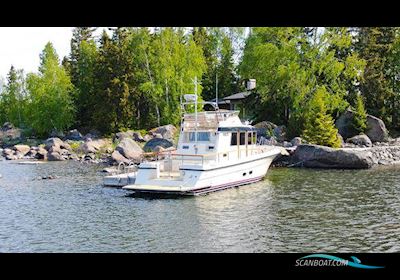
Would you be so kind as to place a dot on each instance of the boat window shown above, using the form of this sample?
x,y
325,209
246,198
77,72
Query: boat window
x,y
249,138
254,137
234,139
201,136
242,138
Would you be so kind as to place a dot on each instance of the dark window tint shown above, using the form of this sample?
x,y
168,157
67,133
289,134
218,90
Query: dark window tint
x,y
242,138
234,139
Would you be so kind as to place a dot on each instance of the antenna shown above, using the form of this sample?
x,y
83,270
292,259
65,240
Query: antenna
x,y
216,88
195,109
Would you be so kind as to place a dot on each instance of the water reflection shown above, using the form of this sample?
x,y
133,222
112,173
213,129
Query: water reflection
x,y
292,210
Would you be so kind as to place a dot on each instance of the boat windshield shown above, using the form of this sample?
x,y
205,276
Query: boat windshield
x,y
201,136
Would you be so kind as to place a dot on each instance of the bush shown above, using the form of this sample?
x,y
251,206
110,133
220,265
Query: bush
x,y
360,116
319,127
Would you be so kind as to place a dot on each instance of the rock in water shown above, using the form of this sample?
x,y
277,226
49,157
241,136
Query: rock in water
x,y
153,143
376,129
315,156
54,156
360,140
130,150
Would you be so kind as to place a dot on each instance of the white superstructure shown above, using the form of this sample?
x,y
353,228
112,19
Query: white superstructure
x,y
215,151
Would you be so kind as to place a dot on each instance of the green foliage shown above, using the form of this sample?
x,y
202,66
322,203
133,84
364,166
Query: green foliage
x,y
13,98
360,116
374,44
50,102
319,127
290,63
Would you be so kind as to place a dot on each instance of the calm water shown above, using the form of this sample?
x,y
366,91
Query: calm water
x,y
292,210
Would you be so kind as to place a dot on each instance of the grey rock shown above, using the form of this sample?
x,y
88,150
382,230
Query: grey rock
x,y
74,135
137,137
360,140
54,156
130,150
116,156
147,137
166,131
296,141
41,153
315,156
280,133
57,143
150,145
376,129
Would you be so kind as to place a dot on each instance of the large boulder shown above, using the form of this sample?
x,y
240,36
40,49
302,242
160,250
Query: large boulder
x,y
54,156
360,140
153,143
91,146
56,143
123,134
376,129
166,131
296,141
315,156
265,128
130,150
116,156
280,133
74,135
9,134
41,153
21,149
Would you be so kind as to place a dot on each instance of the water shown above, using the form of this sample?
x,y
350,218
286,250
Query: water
x,y
292,210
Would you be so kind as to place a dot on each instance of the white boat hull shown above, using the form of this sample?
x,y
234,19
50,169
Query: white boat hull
x,y
196,181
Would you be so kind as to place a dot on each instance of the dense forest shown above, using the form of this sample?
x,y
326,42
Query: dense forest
x,y
133,78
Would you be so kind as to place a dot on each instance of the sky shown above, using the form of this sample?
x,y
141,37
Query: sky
x,y
21,46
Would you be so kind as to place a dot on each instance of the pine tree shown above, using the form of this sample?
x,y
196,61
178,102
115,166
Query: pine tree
x,y
319,128
360,116
13,97
374,45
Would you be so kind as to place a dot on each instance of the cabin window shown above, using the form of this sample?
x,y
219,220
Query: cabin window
x,y
242,138
254,137
201,136
234,139
249,138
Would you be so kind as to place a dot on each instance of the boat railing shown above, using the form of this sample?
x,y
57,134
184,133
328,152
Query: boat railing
x,y
172,161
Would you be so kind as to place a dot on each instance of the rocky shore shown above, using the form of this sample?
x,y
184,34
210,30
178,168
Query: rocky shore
x,y
373,148
125,147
